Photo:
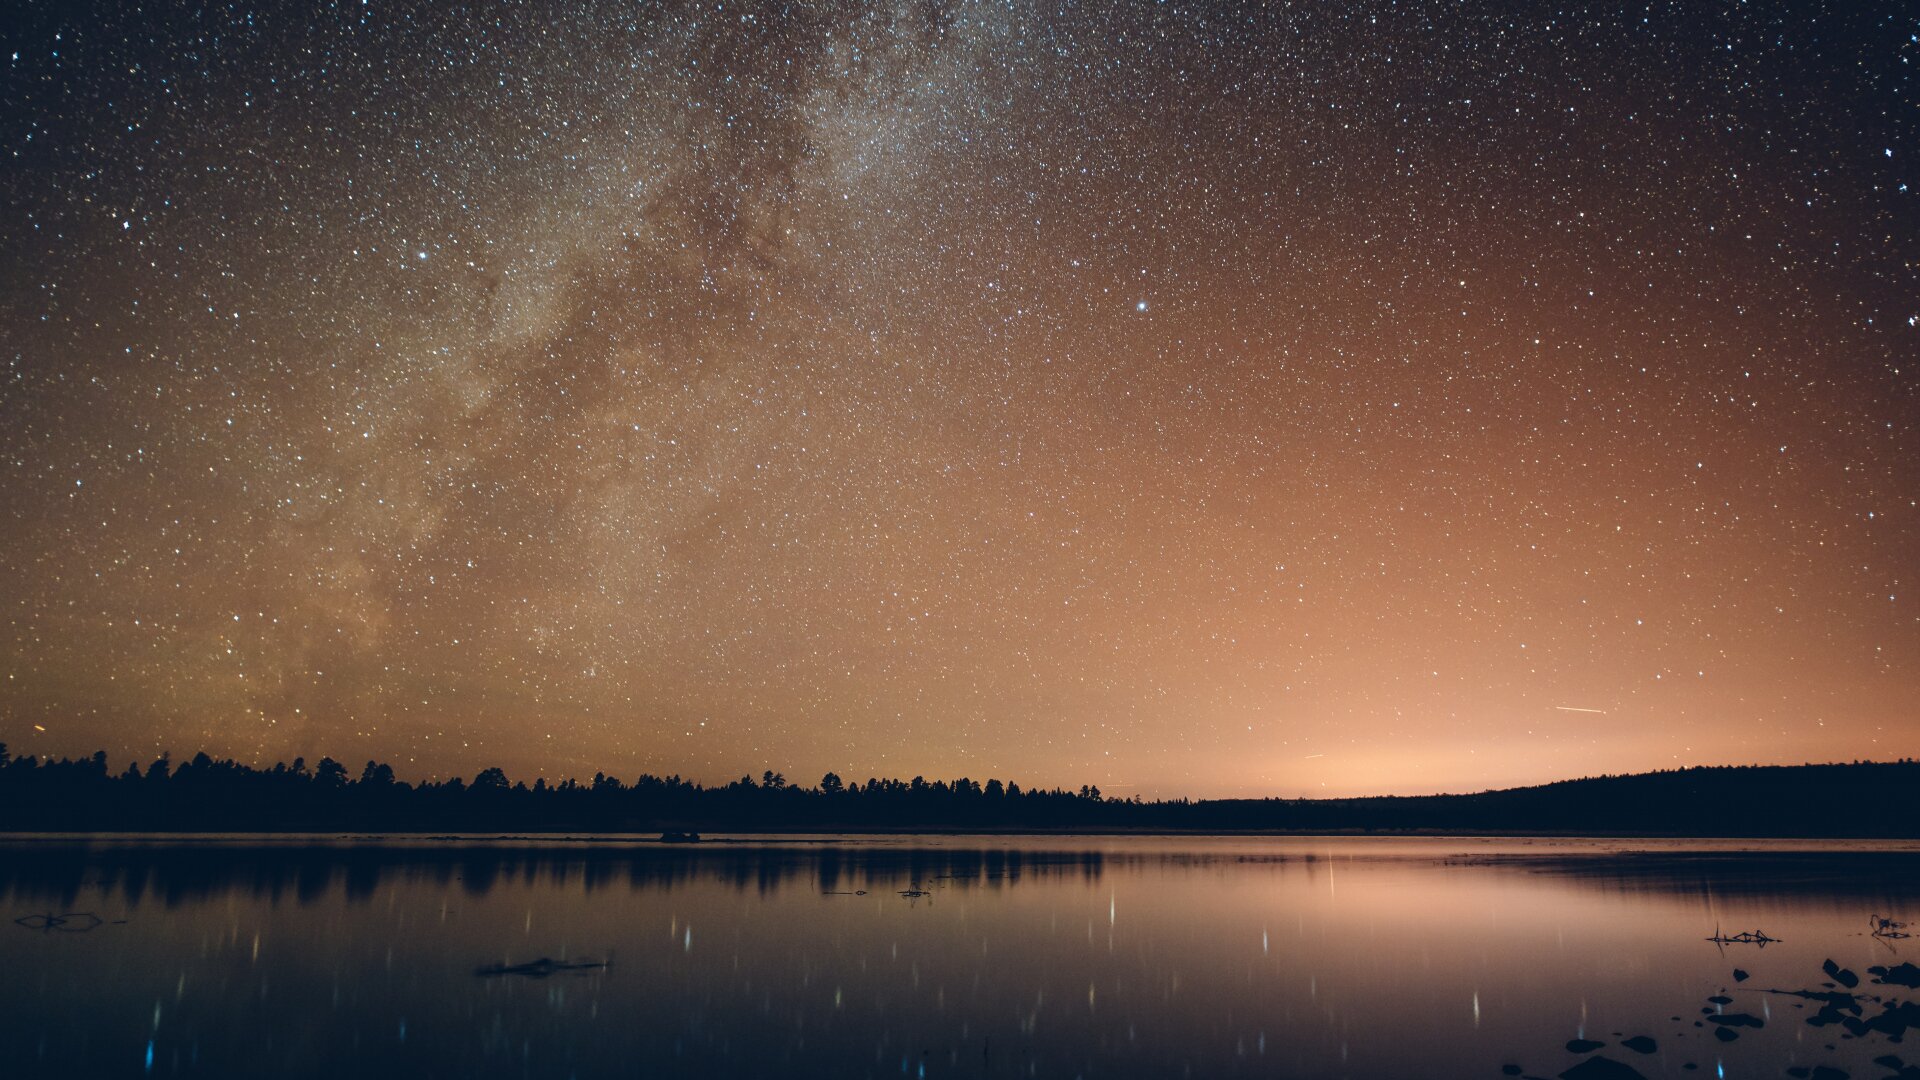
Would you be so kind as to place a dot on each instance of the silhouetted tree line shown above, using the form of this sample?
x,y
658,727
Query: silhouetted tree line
x,y
1864,799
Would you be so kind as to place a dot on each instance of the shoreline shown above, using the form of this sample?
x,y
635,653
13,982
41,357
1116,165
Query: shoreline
x,y
800,838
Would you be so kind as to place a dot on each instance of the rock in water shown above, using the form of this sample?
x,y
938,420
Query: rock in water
x,y
1840,975
1725,1034
1602,1068
1899,975
1583,1046
1640,1044
1739,976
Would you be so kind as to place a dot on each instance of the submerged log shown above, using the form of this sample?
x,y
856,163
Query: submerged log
x,y
541,968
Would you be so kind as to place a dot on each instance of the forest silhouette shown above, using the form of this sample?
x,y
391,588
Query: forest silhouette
x,y
1859,799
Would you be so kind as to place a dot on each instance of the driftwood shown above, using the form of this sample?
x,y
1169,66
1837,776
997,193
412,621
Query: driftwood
x,y
541,968
72,922
1887,928
1744,937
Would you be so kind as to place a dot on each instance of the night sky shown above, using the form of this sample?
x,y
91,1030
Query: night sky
x,y
1182,399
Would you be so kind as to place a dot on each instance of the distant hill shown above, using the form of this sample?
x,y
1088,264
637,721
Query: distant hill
x,y
1868,799
1863,799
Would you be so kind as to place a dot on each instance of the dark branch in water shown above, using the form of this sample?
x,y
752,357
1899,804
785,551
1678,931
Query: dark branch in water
x,y
1887,928
541,968
1744,937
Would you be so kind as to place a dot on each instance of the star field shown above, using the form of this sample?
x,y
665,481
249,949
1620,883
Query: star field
x,y
1186,399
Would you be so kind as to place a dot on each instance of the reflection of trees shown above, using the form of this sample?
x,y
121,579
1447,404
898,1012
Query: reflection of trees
x,y
173,875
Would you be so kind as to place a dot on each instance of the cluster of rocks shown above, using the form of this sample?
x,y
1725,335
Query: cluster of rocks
x,y
1842,1004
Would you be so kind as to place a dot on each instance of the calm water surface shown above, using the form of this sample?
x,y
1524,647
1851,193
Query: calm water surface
x,y
1048,957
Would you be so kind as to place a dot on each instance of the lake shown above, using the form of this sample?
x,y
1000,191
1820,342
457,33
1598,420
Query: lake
x,y
938,956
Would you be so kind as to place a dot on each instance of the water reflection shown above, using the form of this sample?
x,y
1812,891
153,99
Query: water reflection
x,y
179,872
1836,874
192,873
929,956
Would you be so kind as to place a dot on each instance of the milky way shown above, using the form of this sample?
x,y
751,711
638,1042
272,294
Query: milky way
x,y
1181,399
